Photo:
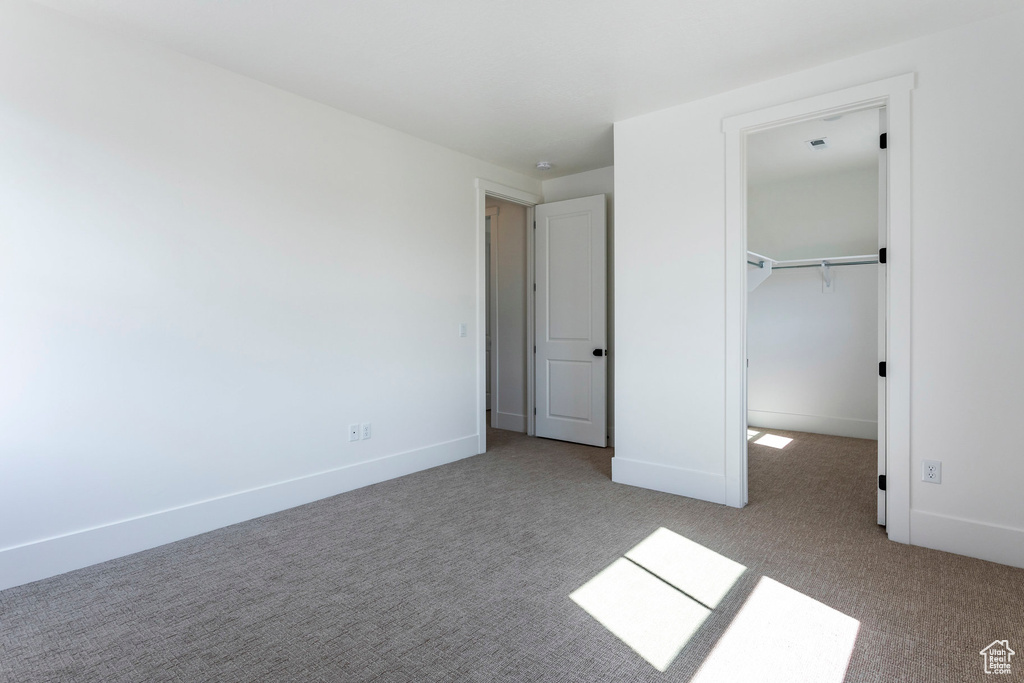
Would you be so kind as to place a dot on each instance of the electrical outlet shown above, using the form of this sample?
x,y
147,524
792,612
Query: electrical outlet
x,y
931,471
462,329
353,432
366,430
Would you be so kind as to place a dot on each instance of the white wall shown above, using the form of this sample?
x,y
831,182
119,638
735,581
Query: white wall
x,y
814,355
966,329
587,184
813,352
831,214
508,346
203,281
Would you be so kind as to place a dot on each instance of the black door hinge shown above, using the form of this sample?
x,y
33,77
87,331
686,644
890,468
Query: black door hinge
x,y
881,255
881,369
881,482
535,348
883,141
535,410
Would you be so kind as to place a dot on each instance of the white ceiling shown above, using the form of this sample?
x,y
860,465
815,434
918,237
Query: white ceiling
x,y
782,153
518,81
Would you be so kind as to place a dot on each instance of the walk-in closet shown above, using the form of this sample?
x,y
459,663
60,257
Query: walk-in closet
x,y
815,317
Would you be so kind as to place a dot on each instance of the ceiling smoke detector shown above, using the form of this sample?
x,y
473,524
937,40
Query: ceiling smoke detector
x,y
543,165
817,143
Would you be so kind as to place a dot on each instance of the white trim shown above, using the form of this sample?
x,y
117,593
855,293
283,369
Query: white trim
x,y
505,192
59,554
485,188
735,320
866,96
492,395
966,537
894,94
813,424
492,304
531,321
677,480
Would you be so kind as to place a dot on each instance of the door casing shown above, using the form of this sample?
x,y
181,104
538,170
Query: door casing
x,y
491,294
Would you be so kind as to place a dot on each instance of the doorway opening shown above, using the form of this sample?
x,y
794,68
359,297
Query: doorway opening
x,y
816,301
894,95
508,283
488,192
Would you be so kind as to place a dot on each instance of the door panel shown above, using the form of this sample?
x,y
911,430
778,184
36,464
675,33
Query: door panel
x,y
570,386
571,299
883,303
569,309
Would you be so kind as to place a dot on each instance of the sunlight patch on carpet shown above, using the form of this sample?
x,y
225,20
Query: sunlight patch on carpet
x,y
641,610
773,440
781,635
699,572
656,598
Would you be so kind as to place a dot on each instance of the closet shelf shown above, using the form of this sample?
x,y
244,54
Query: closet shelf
x,y
761,261
766,265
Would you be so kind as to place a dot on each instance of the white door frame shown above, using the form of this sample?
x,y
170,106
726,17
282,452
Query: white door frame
x,y
492,324
484,189
894,94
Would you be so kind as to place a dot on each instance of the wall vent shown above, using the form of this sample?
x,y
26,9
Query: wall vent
x,y
817,143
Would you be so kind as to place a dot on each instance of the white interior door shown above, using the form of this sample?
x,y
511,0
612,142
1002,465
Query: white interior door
x,y
883,304
571,298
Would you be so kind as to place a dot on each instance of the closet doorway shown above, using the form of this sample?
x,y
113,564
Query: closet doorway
x,y
507,284
816,292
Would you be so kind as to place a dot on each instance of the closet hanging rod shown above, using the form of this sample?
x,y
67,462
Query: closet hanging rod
x,y
760,264
825,263
858,260
761,259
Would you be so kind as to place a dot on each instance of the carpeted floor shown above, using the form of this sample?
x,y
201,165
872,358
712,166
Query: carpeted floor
x,y
464,572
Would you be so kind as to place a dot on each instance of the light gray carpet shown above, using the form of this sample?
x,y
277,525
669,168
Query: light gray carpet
x,y
463,572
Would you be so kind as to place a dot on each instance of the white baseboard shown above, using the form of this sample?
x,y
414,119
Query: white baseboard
x,y
1001,544
51,556
814,424
515,423
682,482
